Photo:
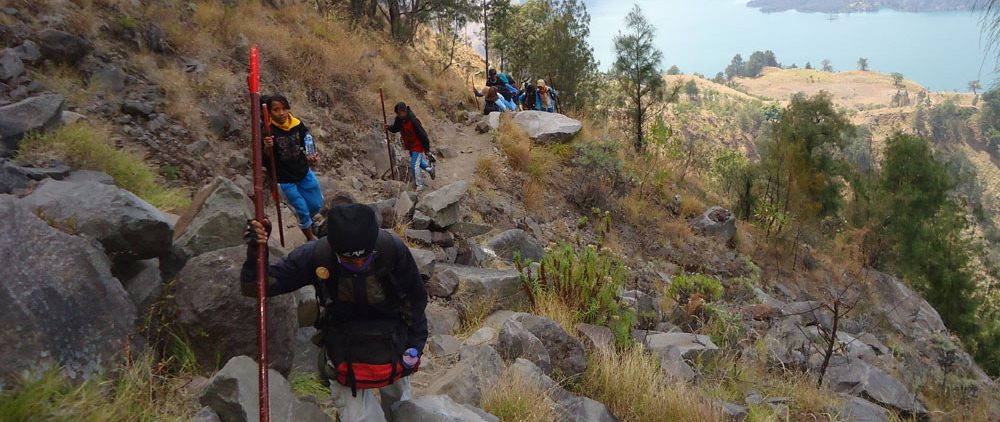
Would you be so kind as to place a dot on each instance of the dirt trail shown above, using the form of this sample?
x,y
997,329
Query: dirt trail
x,y
467,143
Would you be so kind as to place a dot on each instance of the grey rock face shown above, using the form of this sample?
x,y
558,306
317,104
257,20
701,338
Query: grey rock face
x,y
502,287
566,352
515,243
233,394
59,303
126,226
215,219
716,221
143,283
479,368
516,342
32,114
548,127
859,378
441,206
63,47
11,65
858,409
438,408
209,301
584,409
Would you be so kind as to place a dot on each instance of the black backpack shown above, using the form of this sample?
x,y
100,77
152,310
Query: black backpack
x,y
363,353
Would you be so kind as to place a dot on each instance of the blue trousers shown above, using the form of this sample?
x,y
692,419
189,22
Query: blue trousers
x,y
418,163
306,197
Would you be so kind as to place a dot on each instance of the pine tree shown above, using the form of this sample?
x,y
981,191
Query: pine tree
x,y
637,67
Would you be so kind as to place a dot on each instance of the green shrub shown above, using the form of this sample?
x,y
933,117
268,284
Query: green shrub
x,y
587,281
86,146
684,286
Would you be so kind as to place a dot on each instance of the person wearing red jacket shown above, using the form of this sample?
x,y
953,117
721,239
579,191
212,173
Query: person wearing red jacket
x,y
416,141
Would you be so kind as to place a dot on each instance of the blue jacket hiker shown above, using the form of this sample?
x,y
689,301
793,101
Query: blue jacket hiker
x,y
295,152
372,302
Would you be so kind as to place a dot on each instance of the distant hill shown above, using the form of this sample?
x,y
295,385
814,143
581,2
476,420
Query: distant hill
x,y
849,6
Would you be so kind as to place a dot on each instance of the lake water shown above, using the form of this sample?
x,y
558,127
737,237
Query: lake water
x,y
942,51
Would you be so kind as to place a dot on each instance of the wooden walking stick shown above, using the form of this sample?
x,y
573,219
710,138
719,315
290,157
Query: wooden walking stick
x,y
258,209
388,143
274,175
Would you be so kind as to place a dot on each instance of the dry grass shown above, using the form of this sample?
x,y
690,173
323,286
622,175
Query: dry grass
x,y
515,144
534,196
632,385
552,307
67,81
474,315
514,398
487,168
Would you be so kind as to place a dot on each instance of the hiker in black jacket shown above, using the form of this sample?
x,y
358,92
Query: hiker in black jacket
x,y
372,299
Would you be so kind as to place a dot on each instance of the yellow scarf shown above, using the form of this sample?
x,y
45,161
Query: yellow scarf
x,y
290,122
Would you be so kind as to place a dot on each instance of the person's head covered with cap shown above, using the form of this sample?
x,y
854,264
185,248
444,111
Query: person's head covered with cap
x,y
352,233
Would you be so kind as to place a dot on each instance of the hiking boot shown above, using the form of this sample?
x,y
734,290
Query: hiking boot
x,y
432,172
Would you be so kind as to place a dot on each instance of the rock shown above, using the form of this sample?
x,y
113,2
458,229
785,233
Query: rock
x,y
28,52
688,346
423,237
63,47
674,206
439,408
859,378
516,342
12,178
718,222
33,114
515,243
479,368
566,352
909,314
645,307
60,305
69,117
206,414
443,283
484,335
548,127
732,411
533,375
11,65
52,171
493,120
420,221
373,154
443,345
443,239
199,146
483,126
496,319
447,152
127,227
583,409
137,108
143,283
786,343
110,79
215,219
208,299
404,205
441,206
233,394
470,254
858,409
502,287
596,336
425,260
673,365
81,176
306,306
442,319
467,230
762,312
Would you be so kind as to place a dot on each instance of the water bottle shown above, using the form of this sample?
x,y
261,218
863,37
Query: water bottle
x,y
310,146
410,358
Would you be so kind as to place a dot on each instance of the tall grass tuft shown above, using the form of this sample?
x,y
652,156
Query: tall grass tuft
x,y
514,398
86,146
631,384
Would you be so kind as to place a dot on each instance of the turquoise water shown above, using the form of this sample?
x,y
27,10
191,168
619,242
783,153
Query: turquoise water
x,y
942,51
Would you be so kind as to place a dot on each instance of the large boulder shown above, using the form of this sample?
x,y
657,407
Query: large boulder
x,y
128,227
516,342
716,221
441,206
233,394
533,375
859,378
374,154
584,409
479,368
515,243
32,114
143,283
219,320
858,409
215,219
547,127
502,287
566,352
60,306
909,313
687,345
442,319
63,47
11,65
439,408
425,260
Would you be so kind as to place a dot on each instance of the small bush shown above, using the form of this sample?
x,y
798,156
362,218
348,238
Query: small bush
x,y
586,281
686,286
487,168
515,398
86,146
633,386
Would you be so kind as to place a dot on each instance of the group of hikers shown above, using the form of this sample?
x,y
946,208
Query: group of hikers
x,y
502,94
370,292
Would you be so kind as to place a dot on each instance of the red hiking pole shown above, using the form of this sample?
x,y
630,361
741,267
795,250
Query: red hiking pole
x,y
274,175
388,143
258,210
